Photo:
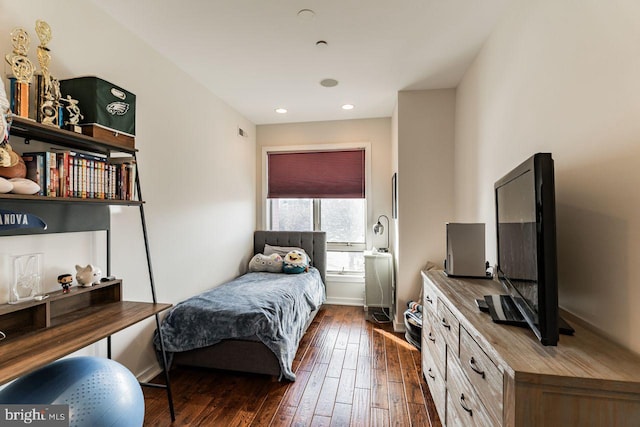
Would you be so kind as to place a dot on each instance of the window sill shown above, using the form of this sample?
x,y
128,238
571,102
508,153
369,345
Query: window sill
x,y
346,277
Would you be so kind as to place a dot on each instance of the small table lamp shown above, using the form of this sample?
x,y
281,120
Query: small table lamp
x,y
378,229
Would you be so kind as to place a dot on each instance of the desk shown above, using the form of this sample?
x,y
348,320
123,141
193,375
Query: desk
x,y
29,351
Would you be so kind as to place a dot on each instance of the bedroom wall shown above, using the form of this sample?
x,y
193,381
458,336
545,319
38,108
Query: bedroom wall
x,y
200,227
564,77
424,122
377,132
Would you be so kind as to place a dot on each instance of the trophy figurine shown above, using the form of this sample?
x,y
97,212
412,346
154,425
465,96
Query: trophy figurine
x,y
22,69
74,114
48,90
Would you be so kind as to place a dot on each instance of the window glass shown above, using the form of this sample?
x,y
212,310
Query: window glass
x,y
345,262
343,220
291,214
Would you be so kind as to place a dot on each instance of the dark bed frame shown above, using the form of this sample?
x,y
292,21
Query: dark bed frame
x,y
250,355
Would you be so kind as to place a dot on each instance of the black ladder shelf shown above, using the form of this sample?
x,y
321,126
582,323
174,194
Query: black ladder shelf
x,y
88,214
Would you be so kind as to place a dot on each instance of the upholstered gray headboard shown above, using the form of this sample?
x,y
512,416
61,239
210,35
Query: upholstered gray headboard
x,y
313,242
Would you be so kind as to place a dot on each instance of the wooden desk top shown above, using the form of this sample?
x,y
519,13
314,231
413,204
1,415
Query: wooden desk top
x,y
24,354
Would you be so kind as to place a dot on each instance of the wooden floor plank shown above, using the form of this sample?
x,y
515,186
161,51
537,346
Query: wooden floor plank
x,y
361,408
351,356
306,407
327,397
349,371
346,386
398,411
379,389
341,415
379,417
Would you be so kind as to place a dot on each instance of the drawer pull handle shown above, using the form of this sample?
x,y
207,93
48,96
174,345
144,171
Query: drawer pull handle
x,y
433,377
463,403
431,337
472,363
445,324
428,299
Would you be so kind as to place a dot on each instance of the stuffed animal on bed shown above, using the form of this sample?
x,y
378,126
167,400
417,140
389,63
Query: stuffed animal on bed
x,y
295,262
270,263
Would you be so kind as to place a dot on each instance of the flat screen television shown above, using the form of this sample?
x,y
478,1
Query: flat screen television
x,y
526,243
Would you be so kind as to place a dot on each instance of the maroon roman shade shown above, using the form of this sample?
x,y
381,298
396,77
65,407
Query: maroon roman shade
x,y
316,175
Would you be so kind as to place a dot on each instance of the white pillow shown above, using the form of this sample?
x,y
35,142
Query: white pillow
x,y
24,186
271,263
283,250
5,185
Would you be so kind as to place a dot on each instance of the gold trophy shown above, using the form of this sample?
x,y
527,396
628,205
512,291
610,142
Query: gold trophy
x,y
22,69
48,88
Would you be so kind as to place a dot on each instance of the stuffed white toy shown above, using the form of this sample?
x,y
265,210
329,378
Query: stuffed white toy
x,y
270,263
295,262
4,109
5,153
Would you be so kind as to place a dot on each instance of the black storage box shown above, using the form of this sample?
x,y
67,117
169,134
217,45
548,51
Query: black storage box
x,y
103,104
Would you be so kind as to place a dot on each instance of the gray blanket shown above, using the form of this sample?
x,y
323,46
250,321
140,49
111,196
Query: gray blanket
x,y
274,307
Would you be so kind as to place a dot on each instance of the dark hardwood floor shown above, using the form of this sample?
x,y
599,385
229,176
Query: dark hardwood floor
x,y
349,372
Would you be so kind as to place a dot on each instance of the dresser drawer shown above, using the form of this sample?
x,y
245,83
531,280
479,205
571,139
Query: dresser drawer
x,y
435,344
429,299
464,407
435,380
449,327
482,373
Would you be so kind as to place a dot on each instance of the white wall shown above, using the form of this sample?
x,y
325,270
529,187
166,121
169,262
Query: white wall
x,y
564,77
425,136
189,155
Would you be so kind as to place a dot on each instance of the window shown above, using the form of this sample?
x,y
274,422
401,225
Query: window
x,y
344,221
321,190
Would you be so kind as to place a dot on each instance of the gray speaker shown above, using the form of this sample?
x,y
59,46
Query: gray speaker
x,y
465,250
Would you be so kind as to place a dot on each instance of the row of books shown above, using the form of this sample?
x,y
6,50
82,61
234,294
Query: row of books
x,y
81,175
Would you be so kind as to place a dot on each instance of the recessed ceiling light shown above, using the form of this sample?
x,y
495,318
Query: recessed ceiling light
x,y
329,82
281,110
347,107
322,44
306,14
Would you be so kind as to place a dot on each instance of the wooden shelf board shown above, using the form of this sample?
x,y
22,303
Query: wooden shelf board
x,y
30,129
21,355
35,198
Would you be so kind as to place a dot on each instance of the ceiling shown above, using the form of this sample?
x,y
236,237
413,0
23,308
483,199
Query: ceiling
x,y
257,55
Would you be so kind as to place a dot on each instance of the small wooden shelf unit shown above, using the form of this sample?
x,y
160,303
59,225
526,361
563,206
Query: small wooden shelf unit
x,y
40,332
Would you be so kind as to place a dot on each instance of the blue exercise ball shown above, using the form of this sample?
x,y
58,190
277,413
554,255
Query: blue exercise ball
x,y
99,392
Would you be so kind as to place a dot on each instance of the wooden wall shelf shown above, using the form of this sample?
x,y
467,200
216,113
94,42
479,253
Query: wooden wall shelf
x,y
35,198
30,129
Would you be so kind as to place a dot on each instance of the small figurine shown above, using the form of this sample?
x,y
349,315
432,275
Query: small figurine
x,y
88,276
65,281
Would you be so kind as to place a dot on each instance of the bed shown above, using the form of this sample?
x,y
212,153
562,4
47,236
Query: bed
x,y
249,334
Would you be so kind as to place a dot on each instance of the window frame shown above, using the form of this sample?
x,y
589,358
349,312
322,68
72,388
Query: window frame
x,y
331,246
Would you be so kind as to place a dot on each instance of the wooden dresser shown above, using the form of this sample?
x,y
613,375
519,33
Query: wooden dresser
x,y
481,373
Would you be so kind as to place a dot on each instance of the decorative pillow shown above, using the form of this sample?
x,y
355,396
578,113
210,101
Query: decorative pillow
x,y
24,186
283,250
5,185
296,262
270,263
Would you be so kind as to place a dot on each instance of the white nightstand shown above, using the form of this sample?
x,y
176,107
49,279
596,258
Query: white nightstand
x,y
379,284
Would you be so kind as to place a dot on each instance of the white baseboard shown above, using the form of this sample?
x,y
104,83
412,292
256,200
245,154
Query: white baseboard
x,y
399,327
150,373
344,301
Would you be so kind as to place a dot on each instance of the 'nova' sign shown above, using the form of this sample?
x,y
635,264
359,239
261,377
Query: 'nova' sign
x,y
10,220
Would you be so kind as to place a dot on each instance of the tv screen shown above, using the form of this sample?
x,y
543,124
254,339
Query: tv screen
x,y
526,243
